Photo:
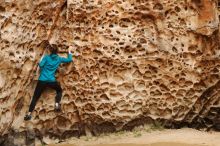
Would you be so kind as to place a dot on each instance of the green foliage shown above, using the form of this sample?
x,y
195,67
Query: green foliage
x,y
157,126
137,133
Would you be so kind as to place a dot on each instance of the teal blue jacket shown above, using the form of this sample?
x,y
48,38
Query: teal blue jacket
x,y
49,64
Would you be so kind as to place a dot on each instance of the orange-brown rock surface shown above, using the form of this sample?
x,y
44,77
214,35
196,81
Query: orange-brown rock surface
x,y
138,61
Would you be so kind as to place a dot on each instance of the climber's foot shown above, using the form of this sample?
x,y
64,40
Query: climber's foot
x,y
27,117
57,107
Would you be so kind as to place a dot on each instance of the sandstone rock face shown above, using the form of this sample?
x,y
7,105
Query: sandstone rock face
x,y
138,61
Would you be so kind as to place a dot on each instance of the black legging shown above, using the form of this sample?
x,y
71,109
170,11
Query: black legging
x,y
41,85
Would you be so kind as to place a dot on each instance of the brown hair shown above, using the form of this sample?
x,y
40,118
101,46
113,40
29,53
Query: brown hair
x,y
53,48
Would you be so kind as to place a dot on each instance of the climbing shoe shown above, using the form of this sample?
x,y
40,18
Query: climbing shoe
x,y
27,117
57,107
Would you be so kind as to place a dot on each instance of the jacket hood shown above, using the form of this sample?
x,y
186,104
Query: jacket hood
x,y
53,56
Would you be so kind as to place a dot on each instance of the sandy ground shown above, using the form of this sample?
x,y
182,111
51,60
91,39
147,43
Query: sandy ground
x,y
180,137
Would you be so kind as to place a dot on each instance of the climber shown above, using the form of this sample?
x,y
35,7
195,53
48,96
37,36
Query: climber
x,y
48,66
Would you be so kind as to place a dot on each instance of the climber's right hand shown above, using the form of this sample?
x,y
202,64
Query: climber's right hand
x,y
69,49
35,76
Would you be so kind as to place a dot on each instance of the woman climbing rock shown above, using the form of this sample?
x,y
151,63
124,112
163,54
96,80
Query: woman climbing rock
x,y
48,66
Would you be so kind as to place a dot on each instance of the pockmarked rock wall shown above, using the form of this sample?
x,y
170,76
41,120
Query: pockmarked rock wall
x,y
139,61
